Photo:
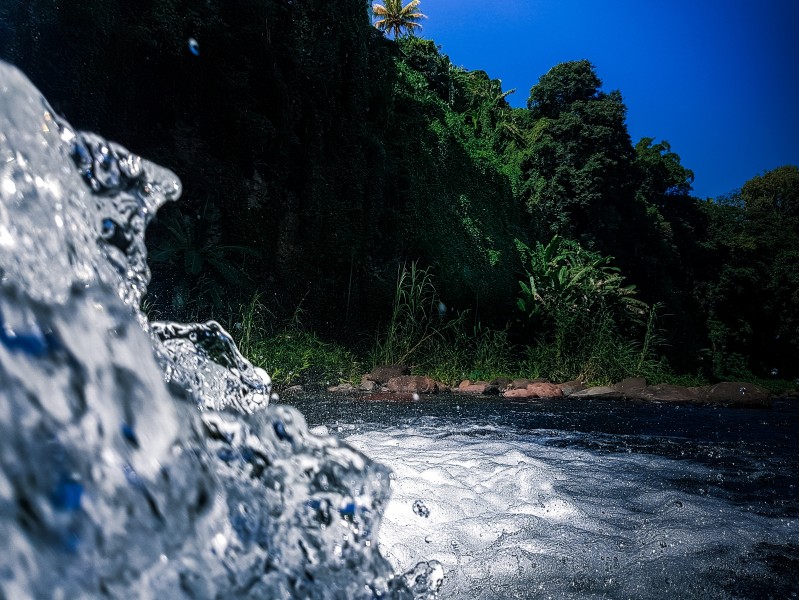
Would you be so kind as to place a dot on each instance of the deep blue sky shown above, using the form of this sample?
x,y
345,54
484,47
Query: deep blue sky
x,y
718,79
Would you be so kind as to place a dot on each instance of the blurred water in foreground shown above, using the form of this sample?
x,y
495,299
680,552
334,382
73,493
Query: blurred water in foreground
x,y
584,498
143,460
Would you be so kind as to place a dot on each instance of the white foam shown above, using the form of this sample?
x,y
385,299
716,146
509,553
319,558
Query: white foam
x,y
505,514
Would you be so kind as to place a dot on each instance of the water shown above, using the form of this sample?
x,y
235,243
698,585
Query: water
x,y
584,499
143,460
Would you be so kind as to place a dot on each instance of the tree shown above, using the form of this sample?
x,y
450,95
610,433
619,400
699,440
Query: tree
x,y
394,18
776,191
662,174
579,159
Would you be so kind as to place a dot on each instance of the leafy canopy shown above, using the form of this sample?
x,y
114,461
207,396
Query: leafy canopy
x,y
394,18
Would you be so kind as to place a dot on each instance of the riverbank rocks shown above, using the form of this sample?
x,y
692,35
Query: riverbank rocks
x,y
477,387
381,375
535,390
413,384
383,382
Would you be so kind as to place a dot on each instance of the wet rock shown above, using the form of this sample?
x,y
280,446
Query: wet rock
x,y
502,383
665,392
520,384
414,384
367,384
604,391
735,393
630,385
535,390
570,387
472,387
341,388
382,374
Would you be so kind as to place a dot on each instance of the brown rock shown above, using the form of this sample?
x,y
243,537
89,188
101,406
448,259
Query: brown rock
x,y
367,385
600,390
468,387
570,387
666,392
520,384
341,388
535,390
735,393
630,385
414,384
382,374
502,383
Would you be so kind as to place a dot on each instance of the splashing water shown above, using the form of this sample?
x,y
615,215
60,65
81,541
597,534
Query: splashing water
x,y
142,459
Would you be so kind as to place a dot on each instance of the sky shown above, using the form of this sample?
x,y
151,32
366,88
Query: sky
x,y
717,79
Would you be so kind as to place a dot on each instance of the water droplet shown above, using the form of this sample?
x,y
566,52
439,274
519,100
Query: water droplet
x,y
774,372
442,309
194,47
420,509
415,397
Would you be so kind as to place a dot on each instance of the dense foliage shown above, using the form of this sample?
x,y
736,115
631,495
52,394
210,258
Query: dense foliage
x,y
319,157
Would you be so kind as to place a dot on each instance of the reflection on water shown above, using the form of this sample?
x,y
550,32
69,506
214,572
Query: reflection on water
x,y
585,498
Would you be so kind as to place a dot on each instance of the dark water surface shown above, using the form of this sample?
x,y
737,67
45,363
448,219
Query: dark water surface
x,y
585,498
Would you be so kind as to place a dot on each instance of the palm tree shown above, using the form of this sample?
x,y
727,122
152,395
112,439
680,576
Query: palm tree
x,y
394,18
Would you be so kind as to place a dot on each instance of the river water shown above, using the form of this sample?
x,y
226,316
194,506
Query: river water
x,y
584,498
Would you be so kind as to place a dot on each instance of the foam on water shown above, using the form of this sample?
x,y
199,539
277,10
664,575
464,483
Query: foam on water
x,y
511,515
142,460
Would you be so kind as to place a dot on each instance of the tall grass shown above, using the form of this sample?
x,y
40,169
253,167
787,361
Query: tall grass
x,y
289,352
417,327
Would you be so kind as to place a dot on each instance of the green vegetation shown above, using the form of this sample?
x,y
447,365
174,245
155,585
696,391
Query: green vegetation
x,y
394,18
368,179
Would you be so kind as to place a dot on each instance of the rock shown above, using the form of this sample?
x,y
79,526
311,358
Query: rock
x,y
520,384
294,389
735,393
415,384
630,385
367,384
381,375
570,387
604,391
535,390
665,392
502,383
468,387
390,397
478,387
341,388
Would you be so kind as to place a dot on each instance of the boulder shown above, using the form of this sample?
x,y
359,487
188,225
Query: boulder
x,y
414,384
535,390
630,385
472,387
382,374
735,393
665,392
502,383
604,391
520,384
570,387
341,388
367,384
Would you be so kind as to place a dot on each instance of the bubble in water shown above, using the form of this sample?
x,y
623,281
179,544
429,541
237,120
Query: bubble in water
x,y
420,509
194,46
